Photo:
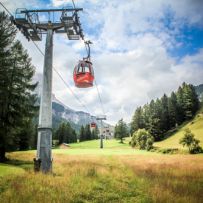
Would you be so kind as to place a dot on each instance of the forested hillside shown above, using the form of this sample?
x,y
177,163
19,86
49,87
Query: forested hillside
x,y
196,127
166,113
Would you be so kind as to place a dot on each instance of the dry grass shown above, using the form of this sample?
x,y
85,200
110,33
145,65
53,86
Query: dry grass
x,y
74,179
195,126
171,178
131,178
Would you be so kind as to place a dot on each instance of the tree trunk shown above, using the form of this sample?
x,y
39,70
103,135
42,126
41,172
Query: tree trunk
x,y
2,154
121,140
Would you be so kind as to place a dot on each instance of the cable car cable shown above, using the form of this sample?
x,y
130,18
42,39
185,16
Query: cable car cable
x,y
88,57
87,46
99,95
73,3
6,9
38,48
76,97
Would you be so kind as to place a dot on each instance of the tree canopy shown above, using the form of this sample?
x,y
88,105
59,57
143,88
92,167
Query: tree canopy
x,y
164,114
17,101
121,130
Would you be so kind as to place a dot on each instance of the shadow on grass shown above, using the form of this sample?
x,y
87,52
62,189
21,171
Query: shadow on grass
x,y
26,165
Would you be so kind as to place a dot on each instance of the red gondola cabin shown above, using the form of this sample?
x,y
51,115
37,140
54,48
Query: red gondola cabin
x,y
93,125
83,74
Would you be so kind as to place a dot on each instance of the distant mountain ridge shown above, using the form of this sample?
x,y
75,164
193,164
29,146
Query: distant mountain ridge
x,y
60,110
63,113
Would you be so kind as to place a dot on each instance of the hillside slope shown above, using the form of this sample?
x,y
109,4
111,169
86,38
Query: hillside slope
x,y
195,125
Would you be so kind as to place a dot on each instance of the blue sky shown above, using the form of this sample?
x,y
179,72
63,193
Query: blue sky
x,y
142,49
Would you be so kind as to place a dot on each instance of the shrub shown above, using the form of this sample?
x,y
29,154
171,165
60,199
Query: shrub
x,y
168,151
143,139
190,141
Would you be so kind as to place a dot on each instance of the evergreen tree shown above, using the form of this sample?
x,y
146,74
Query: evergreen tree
x,y
190,101
88,135
70,134
82,134
121,130
155,120
172,110
180,103
73,137
187,102
138,120
146,116
164,114
60,133
26,135
65,133
16,98
33,144
195,100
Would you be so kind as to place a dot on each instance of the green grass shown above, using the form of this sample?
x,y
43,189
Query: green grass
x,y
93,144
84,173
108,152
111,147
6,170
97,178
195,125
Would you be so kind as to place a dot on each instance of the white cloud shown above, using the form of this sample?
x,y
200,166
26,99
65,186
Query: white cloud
x,y
130,53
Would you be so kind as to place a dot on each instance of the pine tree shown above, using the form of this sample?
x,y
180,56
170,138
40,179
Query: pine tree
x,y
65,133
16,97
138,120
164,114
195,100
87,131
155,126
69,138
26,135
60,133
73,137
187,101
82,134
121,130
146,116
7,35
190,101
172,110
180,103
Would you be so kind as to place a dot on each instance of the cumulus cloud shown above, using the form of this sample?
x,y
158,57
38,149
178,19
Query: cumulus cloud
x,y
130,53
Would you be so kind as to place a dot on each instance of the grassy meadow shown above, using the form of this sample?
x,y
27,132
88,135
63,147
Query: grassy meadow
x,y
84,173
196,127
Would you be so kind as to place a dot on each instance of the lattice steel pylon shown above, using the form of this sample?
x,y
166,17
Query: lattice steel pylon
x,y
58,21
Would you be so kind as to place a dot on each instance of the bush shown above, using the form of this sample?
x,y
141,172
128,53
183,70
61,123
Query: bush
x,y
169,151
143,139
190,141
